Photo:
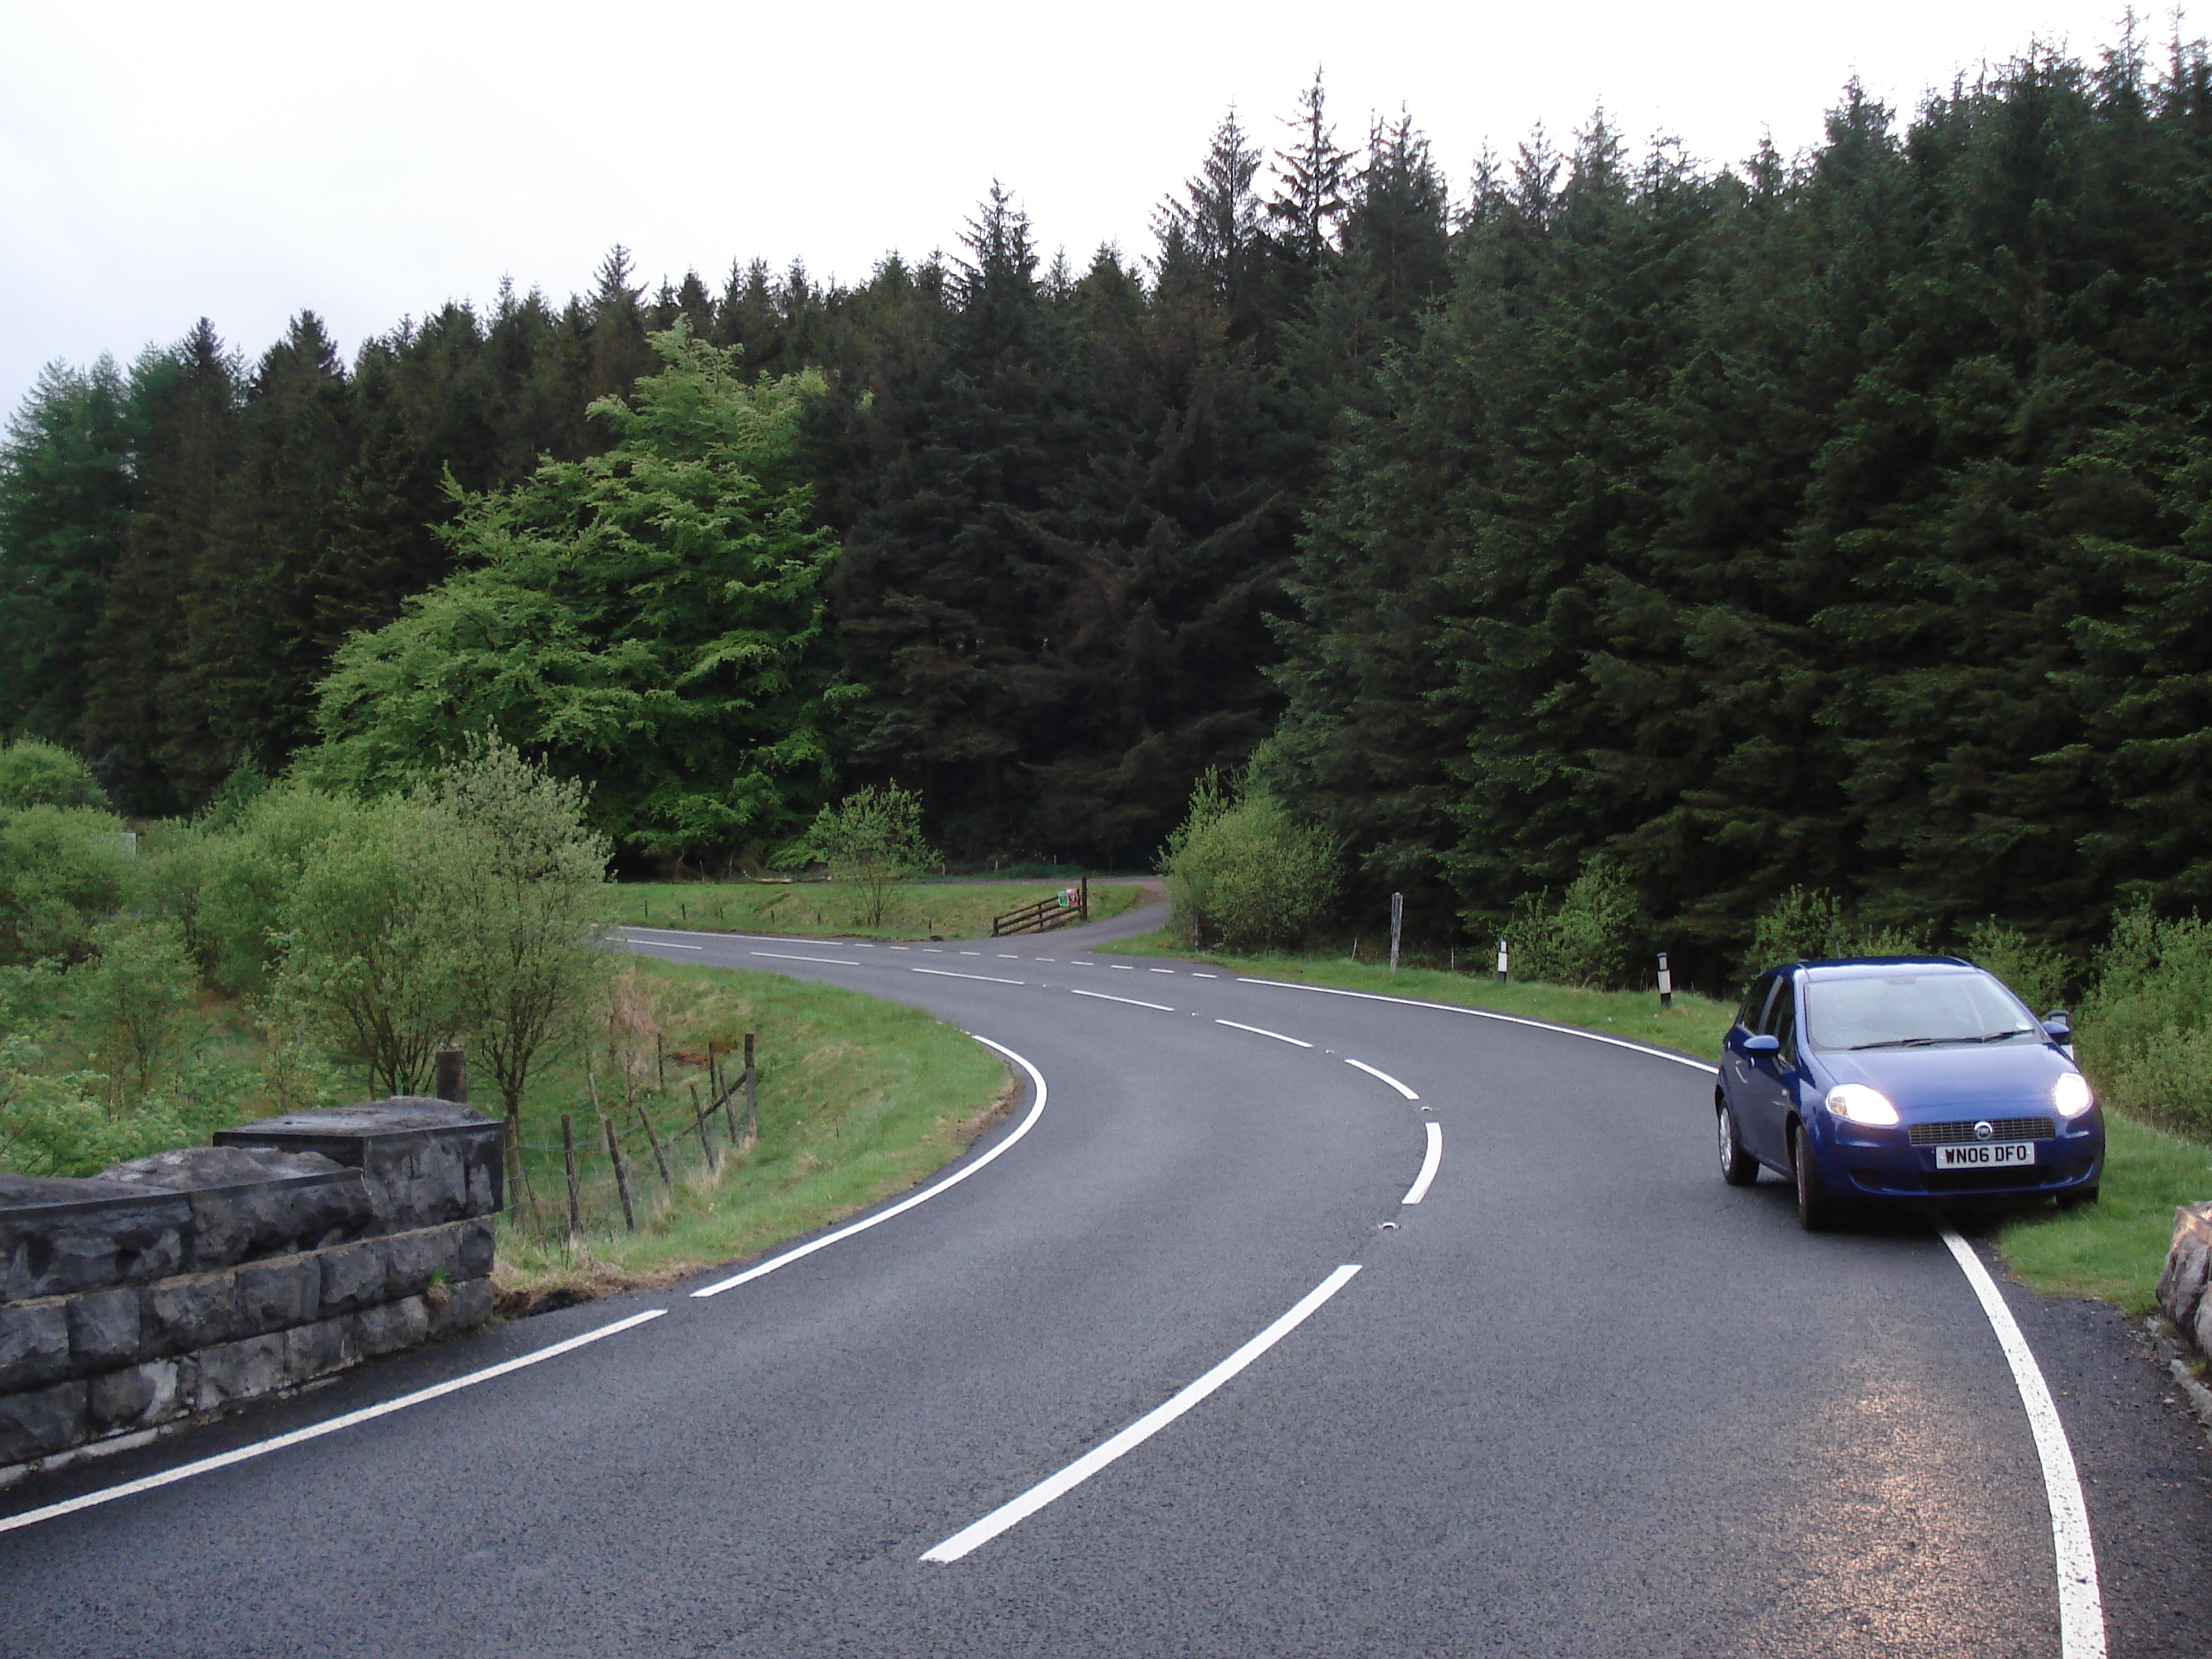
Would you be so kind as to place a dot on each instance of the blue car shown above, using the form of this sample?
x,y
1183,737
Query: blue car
x,y
1901,1081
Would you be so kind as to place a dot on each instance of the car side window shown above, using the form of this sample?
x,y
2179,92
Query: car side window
x,y
1782,1020
1753,1006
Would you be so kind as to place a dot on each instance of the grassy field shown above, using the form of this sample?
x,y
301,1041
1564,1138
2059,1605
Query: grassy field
x,y
2113,1250
857,1099
1694,1025
927,910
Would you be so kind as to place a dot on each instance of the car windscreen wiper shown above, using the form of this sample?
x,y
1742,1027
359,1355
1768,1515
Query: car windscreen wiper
x,y
1896,1042
1929,1041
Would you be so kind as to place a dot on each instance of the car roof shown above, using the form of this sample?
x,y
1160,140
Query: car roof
x,y
1870,967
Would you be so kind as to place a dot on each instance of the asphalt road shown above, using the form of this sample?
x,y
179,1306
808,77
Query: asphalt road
x,y
1580,1400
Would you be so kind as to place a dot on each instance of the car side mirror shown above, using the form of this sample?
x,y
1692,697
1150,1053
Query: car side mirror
x,y
1765,1043
2060,1025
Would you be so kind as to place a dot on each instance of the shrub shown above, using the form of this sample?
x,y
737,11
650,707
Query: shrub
x,y
1245,875
63,869
132,1003
873,837
1803,925
35,774
229,886
2037,972
1595,936
2145,1030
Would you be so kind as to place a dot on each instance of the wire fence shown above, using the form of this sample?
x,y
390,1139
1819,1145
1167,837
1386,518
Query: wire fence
x,y
620,1162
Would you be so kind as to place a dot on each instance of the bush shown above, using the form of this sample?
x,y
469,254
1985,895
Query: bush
x,y
35,774
873,837
1810,925
63,869
2037,972
229,886
1243,875
132,1002
1594,937
2144,1032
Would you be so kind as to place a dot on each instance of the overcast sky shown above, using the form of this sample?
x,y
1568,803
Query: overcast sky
x,y
161,162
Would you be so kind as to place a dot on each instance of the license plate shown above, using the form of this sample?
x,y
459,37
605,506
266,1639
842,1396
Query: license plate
x,y
1985,1155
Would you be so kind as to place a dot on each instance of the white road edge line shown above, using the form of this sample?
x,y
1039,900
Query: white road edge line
x,y
1036,1109
946,972
1385,1076
1486,1013
2081,1605
785,955
1132,1002
1261,1030
1020,1509
1420,1189
316,1431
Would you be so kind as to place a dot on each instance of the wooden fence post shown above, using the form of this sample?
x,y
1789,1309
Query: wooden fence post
x,y
752,1094
654,1141
569,1155
699,1122
621,1174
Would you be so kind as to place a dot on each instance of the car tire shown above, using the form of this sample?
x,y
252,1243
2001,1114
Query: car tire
x,y
1817,1209
1738,1167
2075,1199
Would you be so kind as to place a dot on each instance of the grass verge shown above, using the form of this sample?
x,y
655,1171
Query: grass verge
x,y
2113,1249
859,1099
1694,1025
837,909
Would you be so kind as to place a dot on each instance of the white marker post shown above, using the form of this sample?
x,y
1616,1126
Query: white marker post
x,y
1665,983
1397,926
1501,960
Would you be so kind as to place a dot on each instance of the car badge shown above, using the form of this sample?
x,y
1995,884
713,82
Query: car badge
x,y
1984,1130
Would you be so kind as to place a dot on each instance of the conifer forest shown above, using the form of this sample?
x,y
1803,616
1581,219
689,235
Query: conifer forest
x,y
1835,522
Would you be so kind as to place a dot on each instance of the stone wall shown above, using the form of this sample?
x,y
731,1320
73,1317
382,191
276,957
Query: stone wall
x,y
175,1285
2182,1286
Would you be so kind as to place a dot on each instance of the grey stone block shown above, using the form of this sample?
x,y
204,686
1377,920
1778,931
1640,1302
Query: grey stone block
x,y
477,1243
57,1236
41,1421
317,1350
104,1330
426,1161
34,1344
468,1305
283,1292
353,1276
413,1260
239,1371
391,1325
2188,1264
136,1397
193,1311
256,1201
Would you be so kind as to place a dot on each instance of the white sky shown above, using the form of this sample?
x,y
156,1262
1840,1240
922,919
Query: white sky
x,y
159,162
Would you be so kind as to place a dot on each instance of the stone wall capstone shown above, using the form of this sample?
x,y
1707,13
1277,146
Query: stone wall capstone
x,y
2182,1286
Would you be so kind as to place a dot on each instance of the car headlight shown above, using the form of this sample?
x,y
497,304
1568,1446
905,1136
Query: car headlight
x,y
2071,1095
1860,1104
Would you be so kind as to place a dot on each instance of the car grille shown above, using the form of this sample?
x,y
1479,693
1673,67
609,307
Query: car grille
x,y
2001,1129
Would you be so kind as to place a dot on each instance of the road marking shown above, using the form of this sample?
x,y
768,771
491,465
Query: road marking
x,y
1420,1189
1485,1014
1385,1076
663,944
1036,1109
930,951
1020,1509
784,955
1261,1030
895,947
946,972
315,1432
971,953
1195,973
1009,956
1047,959
2081,1607
1120,967
1159,971
1102,997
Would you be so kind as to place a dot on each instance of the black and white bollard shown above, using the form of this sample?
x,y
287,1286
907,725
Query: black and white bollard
x,y
1397,926
1501,961
1665,983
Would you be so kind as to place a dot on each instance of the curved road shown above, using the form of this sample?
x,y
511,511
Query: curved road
x,y
1180,1368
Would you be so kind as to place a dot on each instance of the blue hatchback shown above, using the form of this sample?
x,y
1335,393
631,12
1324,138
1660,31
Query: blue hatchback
x,y
1903,1079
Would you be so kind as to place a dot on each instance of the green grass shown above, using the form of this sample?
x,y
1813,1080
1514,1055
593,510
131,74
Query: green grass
x,y
2113,1250
2115,1247
859,1099
834,908
1694,1025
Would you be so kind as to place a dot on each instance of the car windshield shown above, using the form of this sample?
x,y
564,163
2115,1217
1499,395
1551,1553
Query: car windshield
x,y
1910,1011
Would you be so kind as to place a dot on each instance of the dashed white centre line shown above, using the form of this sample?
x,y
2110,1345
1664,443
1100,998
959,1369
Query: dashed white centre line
x,y
946,972
1261,1030
662,945
1120,967
1159,971
1132,1002
1420,1189
786,956
1385,1076
1195,973
1018,1509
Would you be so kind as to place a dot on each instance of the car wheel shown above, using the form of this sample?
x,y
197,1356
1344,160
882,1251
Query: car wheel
x,y
2074,1200
1817,1209
1738,1167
